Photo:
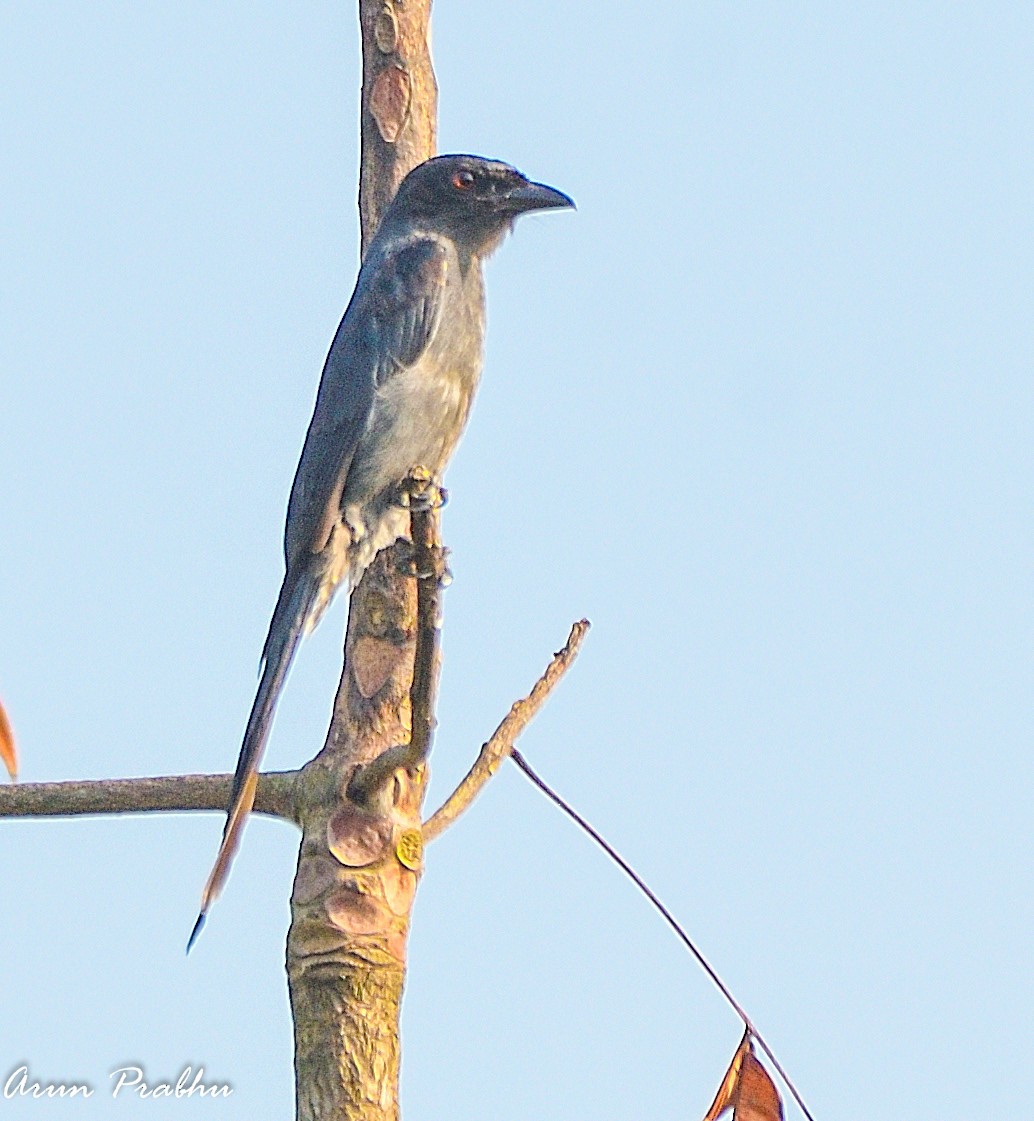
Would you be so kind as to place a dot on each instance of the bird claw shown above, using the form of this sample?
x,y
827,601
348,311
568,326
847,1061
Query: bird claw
x,y
418,491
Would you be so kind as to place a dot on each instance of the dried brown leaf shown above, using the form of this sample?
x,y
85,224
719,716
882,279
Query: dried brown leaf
x,y
727,1090
8,753
746,1089
757,1098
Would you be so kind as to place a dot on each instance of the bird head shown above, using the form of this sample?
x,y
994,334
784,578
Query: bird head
x,y
470,199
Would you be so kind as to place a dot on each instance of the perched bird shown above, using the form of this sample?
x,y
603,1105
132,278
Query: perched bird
x,y
395,394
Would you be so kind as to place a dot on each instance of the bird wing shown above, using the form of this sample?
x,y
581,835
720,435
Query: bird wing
x,y
388,325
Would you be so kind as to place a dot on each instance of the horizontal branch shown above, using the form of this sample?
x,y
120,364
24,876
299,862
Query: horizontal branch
x,y
503,738
144,795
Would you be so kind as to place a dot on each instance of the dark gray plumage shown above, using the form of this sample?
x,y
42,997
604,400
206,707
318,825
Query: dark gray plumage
x,y
395,394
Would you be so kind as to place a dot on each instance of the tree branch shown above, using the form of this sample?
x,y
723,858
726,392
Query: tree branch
x,y
501,744
171,793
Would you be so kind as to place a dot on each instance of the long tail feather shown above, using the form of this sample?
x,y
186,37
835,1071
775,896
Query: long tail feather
x,y
293,607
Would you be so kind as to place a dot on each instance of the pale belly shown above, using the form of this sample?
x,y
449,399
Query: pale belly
x,y
417,421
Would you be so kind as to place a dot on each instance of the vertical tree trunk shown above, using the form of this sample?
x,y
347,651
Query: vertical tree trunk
x,y
360,858
399,114
358,868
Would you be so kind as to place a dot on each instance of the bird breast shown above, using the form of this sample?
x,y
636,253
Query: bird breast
x,y
420,411
417,418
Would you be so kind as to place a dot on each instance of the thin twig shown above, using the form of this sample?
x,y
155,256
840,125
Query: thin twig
x,y
501,744
430,572
634,876
143,795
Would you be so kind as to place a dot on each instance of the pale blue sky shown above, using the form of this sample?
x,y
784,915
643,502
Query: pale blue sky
x,y
761,409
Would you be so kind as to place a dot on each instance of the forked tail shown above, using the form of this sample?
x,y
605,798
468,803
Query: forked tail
x,y
293,606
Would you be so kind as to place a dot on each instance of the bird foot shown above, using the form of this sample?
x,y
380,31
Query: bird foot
x,y
419,491
406,564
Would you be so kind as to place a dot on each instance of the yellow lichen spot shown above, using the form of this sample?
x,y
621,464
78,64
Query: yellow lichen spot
x,y
410,849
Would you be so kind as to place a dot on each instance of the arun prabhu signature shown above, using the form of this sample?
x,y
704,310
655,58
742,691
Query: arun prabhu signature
x,y
127,1081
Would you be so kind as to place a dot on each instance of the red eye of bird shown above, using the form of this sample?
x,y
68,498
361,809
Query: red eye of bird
x,y
463,180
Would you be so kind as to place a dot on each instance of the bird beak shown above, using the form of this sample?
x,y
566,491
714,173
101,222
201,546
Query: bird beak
x,y
535,196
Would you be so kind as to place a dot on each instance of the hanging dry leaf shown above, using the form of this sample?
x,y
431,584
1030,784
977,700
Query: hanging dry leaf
x,y
746,1089
758,1098
7,750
